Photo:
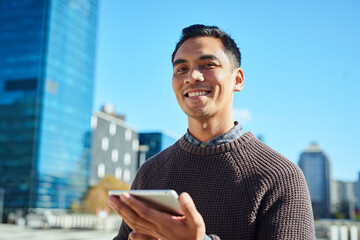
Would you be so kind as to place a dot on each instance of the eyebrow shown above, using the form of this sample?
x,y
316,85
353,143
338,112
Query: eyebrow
x,y
203,57
179,61
211,57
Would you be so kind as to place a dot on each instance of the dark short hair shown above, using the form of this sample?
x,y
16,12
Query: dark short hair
x,y
199,30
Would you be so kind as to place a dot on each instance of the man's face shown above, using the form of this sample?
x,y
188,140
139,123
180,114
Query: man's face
x,y
203,78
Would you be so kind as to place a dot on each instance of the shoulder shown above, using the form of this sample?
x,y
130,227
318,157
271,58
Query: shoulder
x,y
284,200
280,179
269,163
267,169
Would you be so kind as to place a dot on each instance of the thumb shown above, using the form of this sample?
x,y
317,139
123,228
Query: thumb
x,y
189,208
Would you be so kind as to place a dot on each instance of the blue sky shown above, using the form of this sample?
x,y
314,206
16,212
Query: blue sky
x,y
301,61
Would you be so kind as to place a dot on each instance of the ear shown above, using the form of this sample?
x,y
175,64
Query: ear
x,y
239,80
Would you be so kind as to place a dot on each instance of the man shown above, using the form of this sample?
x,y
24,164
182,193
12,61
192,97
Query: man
x,y
239,187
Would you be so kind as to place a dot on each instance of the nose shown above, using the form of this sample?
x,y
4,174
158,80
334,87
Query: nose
x,y
194,75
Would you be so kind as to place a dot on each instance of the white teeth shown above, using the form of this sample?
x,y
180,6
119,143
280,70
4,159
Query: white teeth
x,y
195,94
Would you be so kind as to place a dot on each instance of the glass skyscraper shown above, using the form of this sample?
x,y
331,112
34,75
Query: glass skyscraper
x,y
316,168
47,58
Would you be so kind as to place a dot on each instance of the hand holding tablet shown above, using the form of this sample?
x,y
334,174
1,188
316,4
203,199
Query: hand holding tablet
x,y
161,200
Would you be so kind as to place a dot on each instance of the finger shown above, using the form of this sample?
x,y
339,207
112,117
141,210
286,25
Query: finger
x,y
156,218
140,236
189,208
116,204
131,218
141,209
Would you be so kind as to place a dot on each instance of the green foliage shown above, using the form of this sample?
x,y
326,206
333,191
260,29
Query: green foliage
x,y
340,215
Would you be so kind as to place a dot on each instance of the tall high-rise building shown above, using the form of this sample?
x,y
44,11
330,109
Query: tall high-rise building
x,y
316,168
47,58
344,199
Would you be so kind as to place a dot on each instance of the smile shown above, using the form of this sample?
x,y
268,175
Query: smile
x,y
196,94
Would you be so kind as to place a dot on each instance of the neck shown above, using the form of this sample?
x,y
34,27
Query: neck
x,y
209,128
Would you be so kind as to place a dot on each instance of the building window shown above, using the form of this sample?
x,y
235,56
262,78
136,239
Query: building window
x,y
105,143
43,191
114,155
126,175
127,159
93,122
127,134
21,85
101,170
118,173
112,129
45,198
135,145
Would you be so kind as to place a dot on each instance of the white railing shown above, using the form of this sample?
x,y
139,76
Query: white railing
x,y
325,229
73,221
337,229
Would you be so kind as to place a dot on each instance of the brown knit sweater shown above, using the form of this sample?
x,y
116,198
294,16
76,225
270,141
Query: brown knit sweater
x,y
243,189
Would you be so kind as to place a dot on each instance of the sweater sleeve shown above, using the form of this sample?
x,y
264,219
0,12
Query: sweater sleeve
x,y
285,210
123,232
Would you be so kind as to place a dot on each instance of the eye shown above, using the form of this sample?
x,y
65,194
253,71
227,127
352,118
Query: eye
x,y
180,69
209,65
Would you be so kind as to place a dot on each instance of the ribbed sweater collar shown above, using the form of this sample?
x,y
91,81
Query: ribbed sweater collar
x,y
222,148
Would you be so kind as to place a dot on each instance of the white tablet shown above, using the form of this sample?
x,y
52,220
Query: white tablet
x,y
161,200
